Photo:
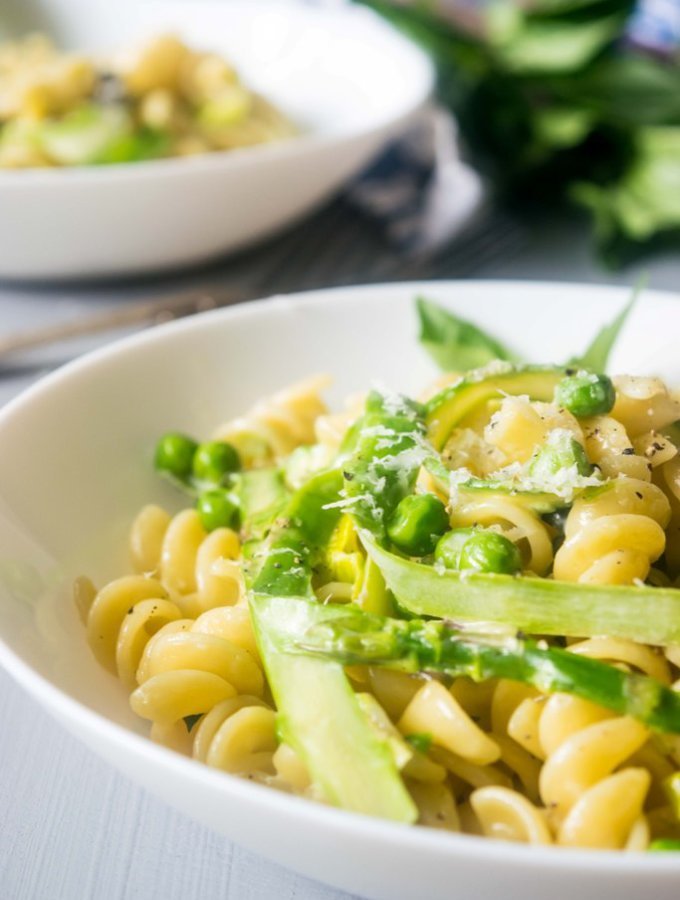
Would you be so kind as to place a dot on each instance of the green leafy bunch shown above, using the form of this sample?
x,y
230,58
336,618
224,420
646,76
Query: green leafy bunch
x,y
556,102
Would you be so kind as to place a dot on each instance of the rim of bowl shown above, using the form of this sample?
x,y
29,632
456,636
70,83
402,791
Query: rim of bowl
x,y
305,142
409,838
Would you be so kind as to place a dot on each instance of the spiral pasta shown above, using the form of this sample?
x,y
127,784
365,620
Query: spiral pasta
x,y
506,814
436,806
434,710
580,747
644,403
614,536
238,735
179,637
276,426
610,448
291,770
589,760
198,569
588,499
669,482
648,660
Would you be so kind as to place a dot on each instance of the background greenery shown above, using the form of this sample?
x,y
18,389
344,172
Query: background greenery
x,y
564,100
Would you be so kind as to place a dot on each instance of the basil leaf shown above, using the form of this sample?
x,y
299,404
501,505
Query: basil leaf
x,y
630,91
555,47
646,201
562,100
597,355
454,343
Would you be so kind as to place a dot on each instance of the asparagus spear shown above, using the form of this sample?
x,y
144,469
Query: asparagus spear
x,y
648,615
352,637
318,713
389,450
306,524
447,409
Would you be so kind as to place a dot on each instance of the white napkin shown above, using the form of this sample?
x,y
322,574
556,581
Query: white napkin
x,y
420,189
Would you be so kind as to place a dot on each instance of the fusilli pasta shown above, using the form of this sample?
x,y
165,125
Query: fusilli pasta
x,y
587,499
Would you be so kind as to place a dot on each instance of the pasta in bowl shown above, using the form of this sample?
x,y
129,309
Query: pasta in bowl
x,y
530,713
159,100
480,563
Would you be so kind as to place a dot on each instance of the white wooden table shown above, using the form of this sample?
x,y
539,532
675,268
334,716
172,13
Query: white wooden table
x,y
72,828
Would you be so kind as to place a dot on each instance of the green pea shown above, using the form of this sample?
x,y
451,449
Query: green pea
x,y
450,546
479,550
488,551
175,455
555,457
214,460
418,521
586,394
217,509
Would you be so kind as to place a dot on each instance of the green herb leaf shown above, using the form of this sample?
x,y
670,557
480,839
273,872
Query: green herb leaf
x,y
420,741
628,90
85,134
553,47
141,145
646,201
597,355
454,343
554,102
662,845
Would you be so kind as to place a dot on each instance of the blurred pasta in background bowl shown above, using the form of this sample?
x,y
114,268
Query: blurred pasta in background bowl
x,y
247,627
163,99
240,118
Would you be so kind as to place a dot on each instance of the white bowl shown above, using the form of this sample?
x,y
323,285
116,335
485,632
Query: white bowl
x,y
349,80
76,467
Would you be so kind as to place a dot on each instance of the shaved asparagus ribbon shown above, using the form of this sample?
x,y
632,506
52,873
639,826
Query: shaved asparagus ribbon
x,y
382,471
352,637
647,615
318,713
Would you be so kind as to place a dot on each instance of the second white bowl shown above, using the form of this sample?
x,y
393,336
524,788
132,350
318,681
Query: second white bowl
x,y
348,80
